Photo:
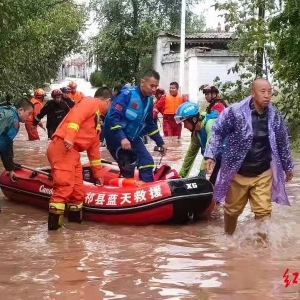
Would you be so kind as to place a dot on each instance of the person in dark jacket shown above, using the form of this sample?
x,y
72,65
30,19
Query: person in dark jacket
x,y
65,96
55,110
116,90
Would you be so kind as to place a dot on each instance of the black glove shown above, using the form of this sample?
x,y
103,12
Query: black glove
x,y
35,122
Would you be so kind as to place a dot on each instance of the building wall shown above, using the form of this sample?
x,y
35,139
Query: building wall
x,y
208,68
200,67
90,66
162,47
170,72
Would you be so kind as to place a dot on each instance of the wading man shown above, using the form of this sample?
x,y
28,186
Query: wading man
x,y
255,158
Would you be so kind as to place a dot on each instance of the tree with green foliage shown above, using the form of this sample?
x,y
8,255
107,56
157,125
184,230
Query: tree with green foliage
x,y
128,31
286,31
253,42
96,79
268,35
285,28
35,36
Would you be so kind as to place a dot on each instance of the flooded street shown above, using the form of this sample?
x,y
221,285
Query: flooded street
x,y
98,261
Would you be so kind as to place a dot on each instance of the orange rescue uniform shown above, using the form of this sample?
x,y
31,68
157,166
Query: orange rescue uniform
x,y
32,132
167,106
76,97
81,126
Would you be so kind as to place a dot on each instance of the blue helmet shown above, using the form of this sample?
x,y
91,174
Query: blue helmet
x,y
185,111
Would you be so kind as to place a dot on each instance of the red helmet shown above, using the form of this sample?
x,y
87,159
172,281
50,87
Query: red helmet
x,y
39,93
160,90
56,93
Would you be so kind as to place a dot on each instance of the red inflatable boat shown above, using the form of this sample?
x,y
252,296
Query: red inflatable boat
x,y
172,200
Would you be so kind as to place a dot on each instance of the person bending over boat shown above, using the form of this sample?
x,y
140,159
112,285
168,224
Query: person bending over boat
x,y
255,157
200,125
55,109
78,132
130,115
10,118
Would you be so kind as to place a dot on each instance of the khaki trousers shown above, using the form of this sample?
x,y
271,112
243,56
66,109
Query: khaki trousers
x,y
257,189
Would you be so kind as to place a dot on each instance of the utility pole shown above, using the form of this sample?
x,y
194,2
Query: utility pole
x,y
260,51
182,47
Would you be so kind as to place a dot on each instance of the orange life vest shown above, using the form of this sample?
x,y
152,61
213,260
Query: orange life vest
x,y
37,106
76,97
172,103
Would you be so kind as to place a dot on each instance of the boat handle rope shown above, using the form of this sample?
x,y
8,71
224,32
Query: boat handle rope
x,y
36,171
160,150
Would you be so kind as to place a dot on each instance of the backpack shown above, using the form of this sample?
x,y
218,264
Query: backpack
x,y
165,172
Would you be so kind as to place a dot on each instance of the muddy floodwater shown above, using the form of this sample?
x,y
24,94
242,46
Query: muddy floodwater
x,y
100,261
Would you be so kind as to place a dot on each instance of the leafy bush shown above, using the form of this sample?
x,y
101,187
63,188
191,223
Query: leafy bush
x,y
96,79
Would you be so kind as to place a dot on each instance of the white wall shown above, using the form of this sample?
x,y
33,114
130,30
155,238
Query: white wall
x,y
193,79
162,47
199,70
211,67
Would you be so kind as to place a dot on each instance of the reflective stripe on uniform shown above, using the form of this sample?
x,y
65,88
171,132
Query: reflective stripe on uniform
x,y
98,127
73,126
146,167
95,162
115,127
57,206
153,132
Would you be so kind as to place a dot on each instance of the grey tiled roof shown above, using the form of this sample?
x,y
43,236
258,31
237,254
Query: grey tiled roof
x,y
202,35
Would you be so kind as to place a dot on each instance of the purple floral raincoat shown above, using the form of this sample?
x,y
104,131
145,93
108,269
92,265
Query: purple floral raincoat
x,y
235,124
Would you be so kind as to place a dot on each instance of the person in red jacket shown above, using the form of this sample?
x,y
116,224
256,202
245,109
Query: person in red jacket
x,y
78,132
167,106
37,102
212,97
158,94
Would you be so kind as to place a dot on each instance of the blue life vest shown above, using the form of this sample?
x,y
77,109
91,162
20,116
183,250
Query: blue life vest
x,y
135,115
8,131
202,135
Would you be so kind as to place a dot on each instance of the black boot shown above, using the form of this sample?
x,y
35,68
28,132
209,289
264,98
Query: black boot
x,y
75,216
74,213
55,221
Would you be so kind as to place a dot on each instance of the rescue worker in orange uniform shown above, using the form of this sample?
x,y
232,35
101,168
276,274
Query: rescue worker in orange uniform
x,y
78,132
167,105
75,95
37,102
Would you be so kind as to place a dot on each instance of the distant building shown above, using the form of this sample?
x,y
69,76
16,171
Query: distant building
x,y
75,66
206,57
90,65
